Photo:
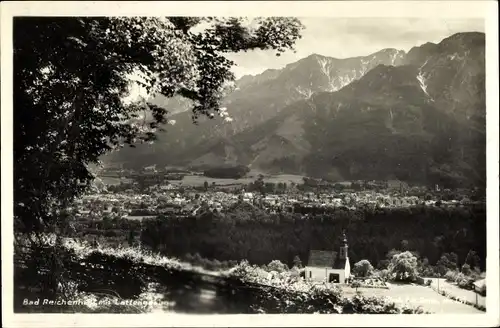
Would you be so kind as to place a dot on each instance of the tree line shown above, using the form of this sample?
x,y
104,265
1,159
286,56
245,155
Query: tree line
x,y
228,172
246,232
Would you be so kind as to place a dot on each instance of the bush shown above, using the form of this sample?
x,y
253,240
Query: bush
x,y
277,266
208,264
297,262
428,272
368,283
383,264
376,305
451,276
363,268
466,269
356,284
383,275
447,262
464,282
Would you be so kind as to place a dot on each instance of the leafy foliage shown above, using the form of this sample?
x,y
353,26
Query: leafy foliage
x,y
208,264
363,268
277,266
384,275
403,266
297,263
374,305
375,282
473,260
71,82
466,269
448,261
464,279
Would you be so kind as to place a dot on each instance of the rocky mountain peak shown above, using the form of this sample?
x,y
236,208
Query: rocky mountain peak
x,y
360,117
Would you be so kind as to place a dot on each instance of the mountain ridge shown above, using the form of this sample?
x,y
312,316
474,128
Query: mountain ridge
x,y
441,82
255,102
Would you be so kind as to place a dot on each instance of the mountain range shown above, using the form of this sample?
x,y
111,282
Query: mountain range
x,y
417,116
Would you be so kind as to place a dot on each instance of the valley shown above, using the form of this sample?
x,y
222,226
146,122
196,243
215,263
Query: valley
x,y
149,179
402,111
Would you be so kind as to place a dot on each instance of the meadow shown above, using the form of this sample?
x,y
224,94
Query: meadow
x,y
198,181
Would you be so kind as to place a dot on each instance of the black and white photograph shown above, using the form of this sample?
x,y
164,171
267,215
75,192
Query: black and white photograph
x,y
251,163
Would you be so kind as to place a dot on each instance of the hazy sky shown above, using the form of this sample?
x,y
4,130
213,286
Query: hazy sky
x,y
350,37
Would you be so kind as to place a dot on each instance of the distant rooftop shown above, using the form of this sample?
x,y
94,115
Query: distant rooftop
x,y
326,259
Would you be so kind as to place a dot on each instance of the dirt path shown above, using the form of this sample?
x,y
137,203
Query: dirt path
x,y
416,295
468,295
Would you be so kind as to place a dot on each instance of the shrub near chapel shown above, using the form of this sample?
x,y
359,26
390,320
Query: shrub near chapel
x,y
363,268
277,266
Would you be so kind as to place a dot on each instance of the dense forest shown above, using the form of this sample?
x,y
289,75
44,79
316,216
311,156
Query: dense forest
x,y
246,232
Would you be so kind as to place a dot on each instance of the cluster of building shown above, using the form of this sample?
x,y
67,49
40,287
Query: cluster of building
x,y
164,201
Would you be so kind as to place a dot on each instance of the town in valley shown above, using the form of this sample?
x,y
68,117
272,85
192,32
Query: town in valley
x,y
250,165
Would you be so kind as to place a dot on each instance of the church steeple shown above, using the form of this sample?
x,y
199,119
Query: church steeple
x,y
344,254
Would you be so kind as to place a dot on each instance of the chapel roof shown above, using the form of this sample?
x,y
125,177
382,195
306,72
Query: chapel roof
x,y
321,258
326,259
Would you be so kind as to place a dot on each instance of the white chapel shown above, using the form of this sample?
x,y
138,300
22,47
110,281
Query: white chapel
x,y
329,266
